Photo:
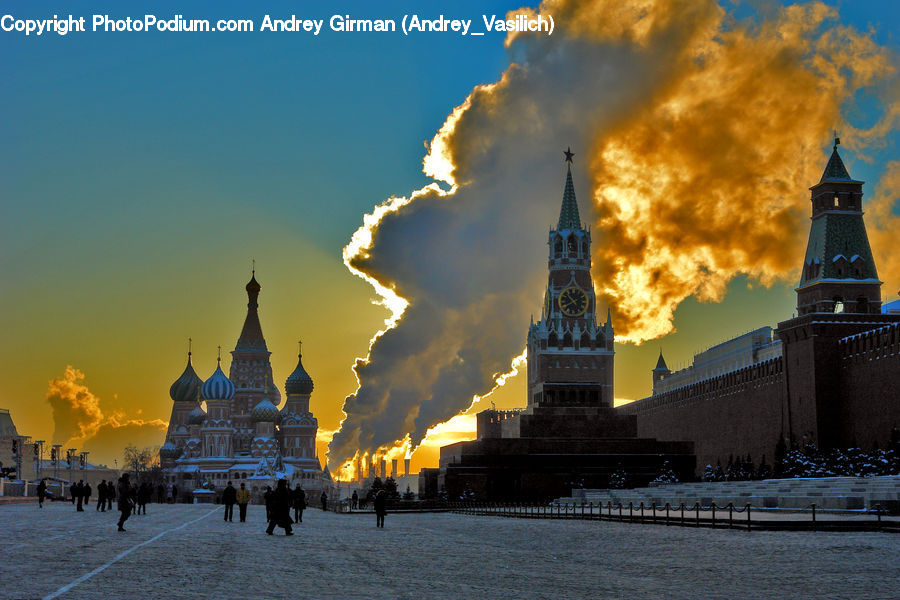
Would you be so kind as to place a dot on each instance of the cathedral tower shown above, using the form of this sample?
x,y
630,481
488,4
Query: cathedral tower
x,y
567,346
838,269
298,425
185,394
250,370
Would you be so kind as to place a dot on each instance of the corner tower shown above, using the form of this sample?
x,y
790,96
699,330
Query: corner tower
x,y
838,270
567,345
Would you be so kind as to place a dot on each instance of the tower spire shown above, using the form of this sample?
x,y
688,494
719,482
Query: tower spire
x,y
251,337
568,212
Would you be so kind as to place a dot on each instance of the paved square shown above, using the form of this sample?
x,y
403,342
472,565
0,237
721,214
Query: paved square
x,y
188,551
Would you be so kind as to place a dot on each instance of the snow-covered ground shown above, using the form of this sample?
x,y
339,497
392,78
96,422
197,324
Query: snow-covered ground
x,y
188,551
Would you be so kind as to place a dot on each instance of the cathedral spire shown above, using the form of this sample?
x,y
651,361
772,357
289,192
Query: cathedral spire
x,y
251,337
568,213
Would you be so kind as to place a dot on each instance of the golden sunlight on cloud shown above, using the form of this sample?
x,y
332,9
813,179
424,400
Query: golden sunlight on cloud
x,y
80,422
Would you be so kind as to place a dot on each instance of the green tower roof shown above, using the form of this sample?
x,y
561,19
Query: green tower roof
x,y
568,213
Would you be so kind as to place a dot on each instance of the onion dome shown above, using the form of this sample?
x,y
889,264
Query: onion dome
x,y
265,410
168,450
299,382
197,416
187,387
218,386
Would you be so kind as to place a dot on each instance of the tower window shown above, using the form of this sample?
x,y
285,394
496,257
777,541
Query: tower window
x,y
567,340
557,247
838,304
571,246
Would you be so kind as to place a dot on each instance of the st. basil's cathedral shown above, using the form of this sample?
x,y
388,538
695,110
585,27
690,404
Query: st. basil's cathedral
x,y
242,435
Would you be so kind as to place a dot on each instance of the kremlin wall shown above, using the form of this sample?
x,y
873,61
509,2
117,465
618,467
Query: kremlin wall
x,y
828,376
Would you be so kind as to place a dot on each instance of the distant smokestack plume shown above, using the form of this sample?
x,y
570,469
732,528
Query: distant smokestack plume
x,y
383,468
394,468
697,133
406,466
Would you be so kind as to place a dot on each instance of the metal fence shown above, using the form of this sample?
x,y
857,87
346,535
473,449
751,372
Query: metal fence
x,y
712,516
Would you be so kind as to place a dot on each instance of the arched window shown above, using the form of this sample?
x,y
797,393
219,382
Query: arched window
x,y
571,245
584,249
552,340
585,340
567,340
557,247
601,340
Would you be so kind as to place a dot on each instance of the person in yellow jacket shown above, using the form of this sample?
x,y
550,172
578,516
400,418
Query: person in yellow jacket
x,y
243,499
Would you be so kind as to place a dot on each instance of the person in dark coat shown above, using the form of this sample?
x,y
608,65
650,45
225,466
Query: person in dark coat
x,y
380,508
229,497
79,495
124,494
143,496
267,499
42,493
160,494
101,496
299,502
354,501
280,513
174,494
87,494
324,499
110,494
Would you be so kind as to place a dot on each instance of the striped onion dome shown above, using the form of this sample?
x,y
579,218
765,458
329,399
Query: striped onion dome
x,y
197,416
187,387
218,387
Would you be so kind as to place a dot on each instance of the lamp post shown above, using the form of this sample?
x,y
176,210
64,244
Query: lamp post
x,y
54,456
70,456
40,458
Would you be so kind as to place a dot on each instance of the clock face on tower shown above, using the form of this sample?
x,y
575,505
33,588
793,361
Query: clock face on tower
x,y
573,301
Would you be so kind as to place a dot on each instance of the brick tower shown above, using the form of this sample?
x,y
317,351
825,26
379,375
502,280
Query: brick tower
x,y
570,356
838,271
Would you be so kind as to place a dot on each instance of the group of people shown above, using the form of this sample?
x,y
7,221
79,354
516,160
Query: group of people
x,y
278,502
231,496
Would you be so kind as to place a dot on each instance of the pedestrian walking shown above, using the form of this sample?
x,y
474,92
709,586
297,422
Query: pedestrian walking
x,y
160,494
324,500
174,494
299,503
380,508
101,496
280,514
354,501
229,497
267,499
243,499
42,493
79,495
124,494
87,494
143,496
110,494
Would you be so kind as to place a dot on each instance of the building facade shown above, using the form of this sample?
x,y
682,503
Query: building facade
x,y
242,435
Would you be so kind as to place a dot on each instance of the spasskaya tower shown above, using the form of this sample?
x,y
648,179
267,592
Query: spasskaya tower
x,y
570,356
